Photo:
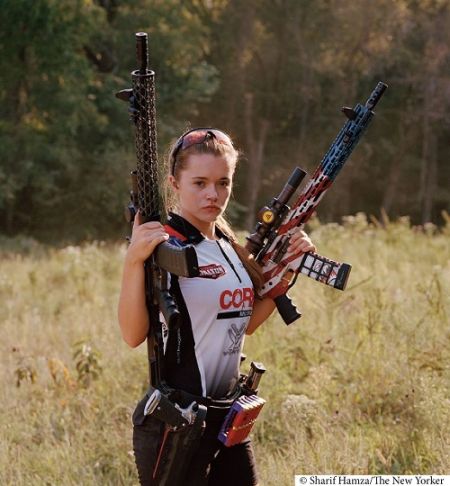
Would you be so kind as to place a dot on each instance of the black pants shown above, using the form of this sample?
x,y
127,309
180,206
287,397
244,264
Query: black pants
x,y
213,464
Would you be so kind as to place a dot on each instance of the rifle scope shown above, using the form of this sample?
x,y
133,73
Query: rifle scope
x,y
270,217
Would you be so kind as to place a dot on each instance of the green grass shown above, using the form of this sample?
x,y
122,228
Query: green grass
x,y
360,384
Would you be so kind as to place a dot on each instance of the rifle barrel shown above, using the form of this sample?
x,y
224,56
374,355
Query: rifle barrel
x,y
142,51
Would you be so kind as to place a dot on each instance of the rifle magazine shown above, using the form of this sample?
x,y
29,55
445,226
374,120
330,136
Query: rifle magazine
x,y
179,261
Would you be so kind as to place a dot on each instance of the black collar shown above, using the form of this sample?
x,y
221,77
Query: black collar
x,y
193,235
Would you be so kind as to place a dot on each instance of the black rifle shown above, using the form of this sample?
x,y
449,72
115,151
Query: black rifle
x,y
146,198
183,425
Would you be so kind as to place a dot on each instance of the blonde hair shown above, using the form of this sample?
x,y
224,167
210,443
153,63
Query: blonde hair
x,y
178,163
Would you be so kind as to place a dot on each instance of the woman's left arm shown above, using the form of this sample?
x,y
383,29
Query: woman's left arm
x,y
262,309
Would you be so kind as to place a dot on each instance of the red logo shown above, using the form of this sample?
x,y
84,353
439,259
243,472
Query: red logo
x,y
237,298
212,271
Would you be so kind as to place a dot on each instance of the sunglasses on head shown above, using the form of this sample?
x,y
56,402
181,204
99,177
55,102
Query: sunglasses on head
x,y
197,136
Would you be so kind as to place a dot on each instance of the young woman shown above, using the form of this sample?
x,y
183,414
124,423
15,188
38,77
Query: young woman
x,y
202,358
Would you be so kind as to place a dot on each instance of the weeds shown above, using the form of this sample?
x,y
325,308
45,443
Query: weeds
x,y
360,384
87,362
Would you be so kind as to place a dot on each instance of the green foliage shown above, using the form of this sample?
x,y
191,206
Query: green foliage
x,y
87,362
65,140
359,385
66,145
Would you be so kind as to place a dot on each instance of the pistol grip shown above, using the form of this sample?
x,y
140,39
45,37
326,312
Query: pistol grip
x,y
168,309
287,309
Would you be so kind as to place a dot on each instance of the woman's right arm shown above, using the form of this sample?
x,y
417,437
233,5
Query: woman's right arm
x,y
132,310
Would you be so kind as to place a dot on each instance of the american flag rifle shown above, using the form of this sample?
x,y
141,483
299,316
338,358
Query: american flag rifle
x,y
270,240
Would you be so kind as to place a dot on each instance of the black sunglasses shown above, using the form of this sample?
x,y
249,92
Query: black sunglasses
x,y
197,136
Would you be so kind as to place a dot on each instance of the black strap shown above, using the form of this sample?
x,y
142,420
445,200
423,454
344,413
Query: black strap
x,y
189,231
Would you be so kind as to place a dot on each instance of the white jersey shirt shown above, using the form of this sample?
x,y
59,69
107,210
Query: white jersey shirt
x,y
203,355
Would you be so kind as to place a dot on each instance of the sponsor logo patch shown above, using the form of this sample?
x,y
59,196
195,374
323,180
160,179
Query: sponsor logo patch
x,y
212,271
237,298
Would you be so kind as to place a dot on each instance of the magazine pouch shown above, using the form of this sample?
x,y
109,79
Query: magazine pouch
x,y
240,419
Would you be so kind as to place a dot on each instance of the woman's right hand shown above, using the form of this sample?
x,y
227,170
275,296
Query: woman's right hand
x,y
145,237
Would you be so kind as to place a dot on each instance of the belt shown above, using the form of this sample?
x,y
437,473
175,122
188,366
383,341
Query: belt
x,y
217,408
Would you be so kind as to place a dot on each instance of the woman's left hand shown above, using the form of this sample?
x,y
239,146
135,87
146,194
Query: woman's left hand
x,y
300,242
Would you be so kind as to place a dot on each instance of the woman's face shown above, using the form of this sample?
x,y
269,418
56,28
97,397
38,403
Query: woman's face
x,y
204,187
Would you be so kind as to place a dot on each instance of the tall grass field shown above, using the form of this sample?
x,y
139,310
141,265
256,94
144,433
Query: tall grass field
x,y
359,385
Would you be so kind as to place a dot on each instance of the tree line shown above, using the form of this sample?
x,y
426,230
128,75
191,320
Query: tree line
x,y
274,74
